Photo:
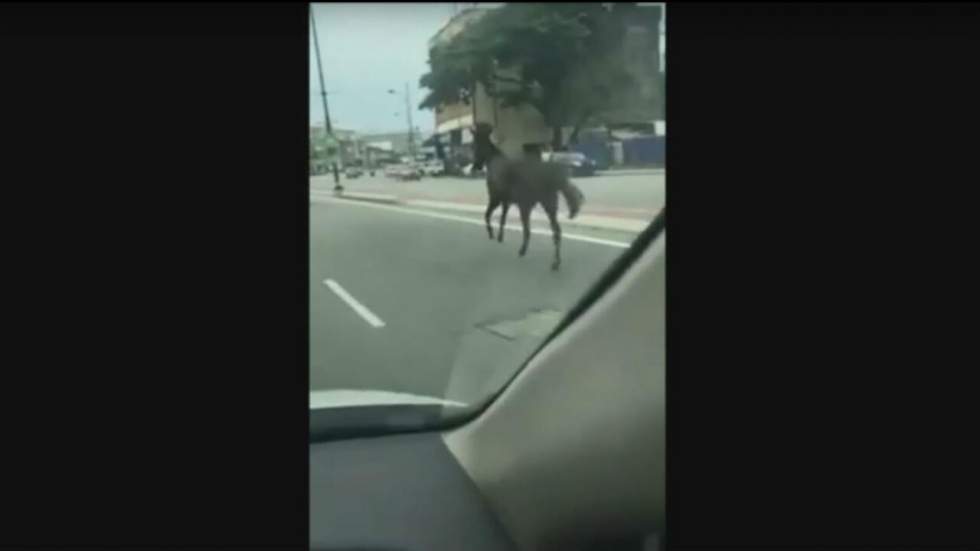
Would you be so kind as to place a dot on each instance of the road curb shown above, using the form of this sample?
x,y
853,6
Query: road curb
x,y
357,196
584,221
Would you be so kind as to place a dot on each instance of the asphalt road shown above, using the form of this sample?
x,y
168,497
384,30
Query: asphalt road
x,y
423,304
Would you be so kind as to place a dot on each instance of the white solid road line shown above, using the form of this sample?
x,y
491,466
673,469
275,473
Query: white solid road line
x,y
362,310
328,197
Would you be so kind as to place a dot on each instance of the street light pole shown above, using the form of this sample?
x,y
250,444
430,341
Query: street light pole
x,y
408,112
323,95
408,119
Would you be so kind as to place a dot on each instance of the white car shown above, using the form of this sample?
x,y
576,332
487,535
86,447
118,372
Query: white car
x,y
403,172
410,172
433,168
468,171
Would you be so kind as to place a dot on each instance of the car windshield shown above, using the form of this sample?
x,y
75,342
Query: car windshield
x,y
429,287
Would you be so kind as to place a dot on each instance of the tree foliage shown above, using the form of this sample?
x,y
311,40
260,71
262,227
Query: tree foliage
x,y
554,57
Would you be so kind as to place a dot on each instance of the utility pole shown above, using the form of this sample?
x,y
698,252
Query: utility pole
x,y
323,94
408,119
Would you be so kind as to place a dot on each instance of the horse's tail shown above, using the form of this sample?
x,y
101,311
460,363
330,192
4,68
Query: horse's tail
x,y
573,197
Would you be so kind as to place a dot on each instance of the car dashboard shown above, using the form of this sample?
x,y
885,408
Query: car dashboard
x,y
404,492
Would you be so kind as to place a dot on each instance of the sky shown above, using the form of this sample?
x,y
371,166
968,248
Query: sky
x,y
366,50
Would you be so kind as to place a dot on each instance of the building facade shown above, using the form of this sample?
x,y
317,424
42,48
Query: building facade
x,y
349,147
519,128
454,122
359,149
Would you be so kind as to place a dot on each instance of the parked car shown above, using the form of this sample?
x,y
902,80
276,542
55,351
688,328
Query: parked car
x,y
403,172
411,172
468,171
433,168
353,172
578,163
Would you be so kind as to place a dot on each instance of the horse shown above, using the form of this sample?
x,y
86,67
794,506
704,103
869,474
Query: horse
x,y
526,182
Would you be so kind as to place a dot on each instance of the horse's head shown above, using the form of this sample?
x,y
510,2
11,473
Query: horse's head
x,y
483,148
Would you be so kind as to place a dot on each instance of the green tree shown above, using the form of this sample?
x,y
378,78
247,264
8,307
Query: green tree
x,y
554,57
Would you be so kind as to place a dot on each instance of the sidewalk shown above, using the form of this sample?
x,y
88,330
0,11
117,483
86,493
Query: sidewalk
x,y
638,171
629,224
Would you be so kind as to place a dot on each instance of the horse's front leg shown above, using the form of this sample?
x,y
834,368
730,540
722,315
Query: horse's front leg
x,y
503,218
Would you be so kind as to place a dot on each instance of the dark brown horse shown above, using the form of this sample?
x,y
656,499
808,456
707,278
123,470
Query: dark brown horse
x,y
527,182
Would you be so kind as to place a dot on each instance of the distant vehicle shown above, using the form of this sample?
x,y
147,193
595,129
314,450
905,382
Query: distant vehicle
x,y
410,172
578,163
468,171
433,168
353,172
403,172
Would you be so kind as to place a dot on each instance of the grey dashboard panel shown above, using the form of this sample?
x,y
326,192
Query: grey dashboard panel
x,y
397,493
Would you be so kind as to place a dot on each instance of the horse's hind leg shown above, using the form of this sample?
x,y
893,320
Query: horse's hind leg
x,y
503,218
526,223
494,201
551,209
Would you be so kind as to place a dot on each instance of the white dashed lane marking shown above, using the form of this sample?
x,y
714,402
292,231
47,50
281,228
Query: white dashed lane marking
x,y
361,310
